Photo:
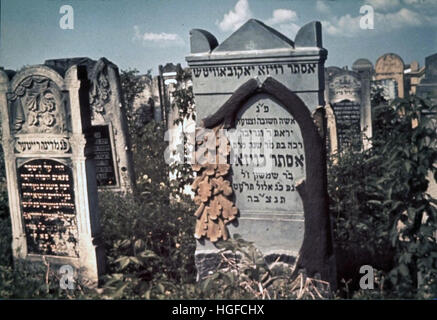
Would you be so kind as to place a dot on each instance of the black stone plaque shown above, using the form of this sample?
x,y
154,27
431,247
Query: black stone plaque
x,y
105,173
47,203
347,114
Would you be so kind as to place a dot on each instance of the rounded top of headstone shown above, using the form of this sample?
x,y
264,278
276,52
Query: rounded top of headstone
x,y
62,65
362,64
332,71
389,63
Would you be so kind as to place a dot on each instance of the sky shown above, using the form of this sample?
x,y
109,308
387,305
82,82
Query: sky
x,y
143,34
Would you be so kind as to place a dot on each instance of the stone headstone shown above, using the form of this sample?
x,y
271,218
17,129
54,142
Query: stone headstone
x,y
391,66
112,150
428,86
262,89
348,93
50,175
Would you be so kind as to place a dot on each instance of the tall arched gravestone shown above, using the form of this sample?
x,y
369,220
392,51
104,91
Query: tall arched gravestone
x,y
348,94
391,66
112,149
50,174
263,90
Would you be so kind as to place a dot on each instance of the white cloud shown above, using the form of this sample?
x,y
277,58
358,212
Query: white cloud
x,y
322,7
161,39
344,26
384,5
236,17
419,2
282,16
349,26
282,19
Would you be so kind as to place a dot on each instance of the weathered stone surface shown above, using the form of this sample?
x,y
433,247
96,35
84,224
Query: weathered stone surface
x,y
261,53
257,83
114,166
46,129
428,86
391,66
348,94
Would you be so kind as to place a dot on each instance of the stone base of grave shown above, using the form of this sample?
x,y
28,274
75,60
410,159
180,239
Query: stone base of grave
x,y
210,261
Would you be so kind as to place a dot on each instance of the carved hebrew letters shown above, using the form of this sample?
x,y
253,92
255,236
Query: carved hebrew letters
x,y
268,158
49,215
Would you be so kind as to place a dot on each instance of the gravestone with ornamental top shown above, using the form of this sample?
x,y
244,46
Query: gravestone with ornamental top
x,y
46,136
258,96
112,149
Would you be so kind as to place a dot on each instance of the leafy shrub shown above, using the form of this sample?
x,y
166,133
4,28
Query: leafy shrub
x,y
379,200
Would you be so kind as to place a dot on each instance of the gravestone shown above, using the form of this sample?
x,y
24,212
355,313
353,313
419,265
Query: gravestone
x,y
348,93
258,96
427,88
391,66
112,150
50,173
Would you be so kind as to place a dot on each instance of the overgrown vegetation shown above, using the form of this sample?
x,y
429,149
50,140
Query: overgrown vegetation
x,y
382,212
379,204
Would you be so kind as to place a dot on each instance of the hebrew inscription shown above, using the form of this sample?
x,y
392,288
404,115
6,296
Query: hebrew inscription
x,y
268,158
47,202
253,71
105,172
348,115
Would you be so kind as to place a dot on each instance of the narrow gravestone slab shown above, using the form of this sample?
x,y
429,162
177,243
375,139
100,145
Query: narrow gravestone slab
x,y
262,89
427,89
391,66
50,174
348,93
105,171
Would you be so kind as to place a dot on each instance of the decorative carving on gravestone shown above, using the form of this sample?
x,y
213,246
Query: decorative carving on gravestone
x,y
348,94
37,107
50,175
112,150
100,92
260,85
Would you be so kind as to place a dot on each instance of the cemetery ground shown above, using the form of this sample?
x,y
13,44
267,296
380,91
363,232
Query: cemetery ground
x,y
381,215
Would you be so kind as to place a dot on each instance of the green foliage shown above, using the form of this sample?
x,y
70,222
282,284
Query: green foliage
x,y
132,84
183,101
379,196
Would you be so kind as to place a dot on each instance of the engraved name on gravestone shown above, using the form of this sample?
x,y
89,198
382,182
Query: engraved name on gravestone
x,y
348,93
49,213
105,172
269,161
283,144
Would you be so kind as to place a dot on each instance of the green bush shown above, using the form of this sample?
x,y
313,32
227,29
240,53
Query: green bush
x,y
379,199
